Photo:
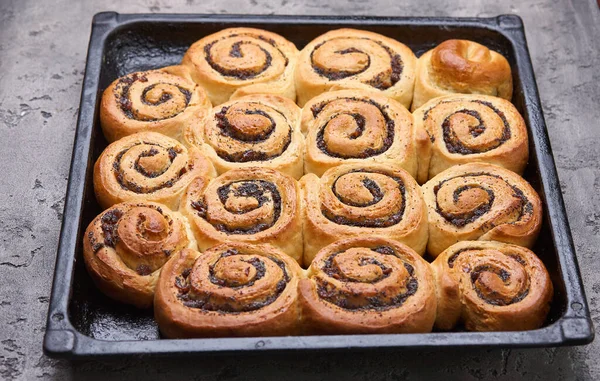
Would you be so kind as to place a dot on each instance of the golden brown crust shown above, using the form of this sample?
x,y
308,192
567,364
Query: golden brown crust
x,y
356,127
491,286
461,66
256,130
368,285
147,167
248,205
358,60
481,202
362,200
233,289
355,59
240,61
162,100
470,128
126,246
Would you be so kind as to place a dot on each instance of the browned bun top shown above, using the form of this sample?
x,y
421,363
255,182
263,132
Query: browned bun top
x,y
468,67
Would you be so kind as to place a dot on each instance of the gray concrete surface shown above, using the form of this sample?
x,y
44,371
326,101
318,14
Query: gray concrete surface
x,y
42,56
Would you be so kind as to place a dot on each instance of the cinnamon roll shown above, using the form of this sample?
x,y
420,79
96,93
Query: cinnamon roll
x,y
362,200
368,285
126,246
233,289
358,60
481,202
461,66
356,127
249,205
162,100
241,61
470,128
255,130
491,286
147,167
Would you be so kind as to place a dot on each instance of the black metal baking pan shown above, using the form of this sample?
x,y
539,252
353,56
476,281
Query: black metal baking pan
x,y
82,322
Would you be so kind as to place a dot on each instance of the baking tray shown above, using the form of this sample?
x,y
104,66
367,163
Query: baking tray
x,y
82,322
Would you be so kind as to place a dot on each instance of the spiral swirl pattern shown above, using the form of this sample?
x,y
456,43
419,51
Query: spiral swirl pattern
x,y
355,59
242,61
368,285
471,128
352,126
352,200
481,201
126,246
252,205
159,101
491,286
232,289
147,166
256,130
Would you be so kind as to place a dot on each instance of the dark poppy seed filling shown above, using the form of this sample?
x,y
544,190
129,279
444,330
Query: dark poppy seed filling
x,y
182,282
163,98
206,302
173,152
109,223
333,271
236,51
143,270
460,220
335,75
124,101
453,143
371,186
247,189
327,291
151,152
227,129
255,262
526,205
386,250
200,207
96,246
518,258
244,156
262,191
493,297
374,189
268,40
136,188
360,126
381,81
237,73
360,123
454,256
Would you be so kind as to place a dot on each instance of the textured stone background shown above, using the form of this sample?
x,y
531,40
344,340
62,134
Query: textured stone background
x,y
42,56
